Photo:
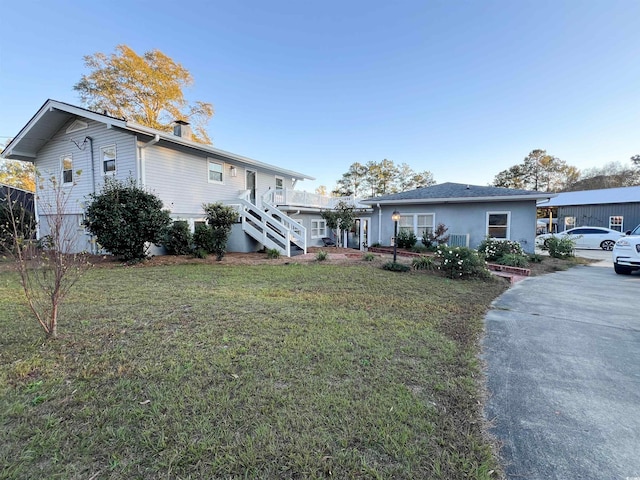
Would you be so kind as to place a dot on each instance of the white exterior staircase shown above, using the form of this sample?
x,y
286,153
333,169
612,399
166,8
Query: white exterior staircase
x,y
269,225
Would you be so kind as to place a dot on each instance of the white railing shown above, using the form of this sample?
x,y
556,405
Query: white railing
x,y
268,225
300,198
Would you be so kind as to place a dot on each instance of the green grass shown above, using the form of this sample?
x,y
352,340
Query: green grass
x,y
272,371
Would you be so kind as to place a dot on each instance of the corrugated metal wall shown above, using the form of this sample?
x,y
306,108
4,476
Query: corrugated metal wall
x,y
598,215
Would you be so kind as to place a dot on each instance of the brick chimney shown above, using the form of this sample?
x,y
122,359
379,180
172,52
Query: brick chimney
x,y
182,129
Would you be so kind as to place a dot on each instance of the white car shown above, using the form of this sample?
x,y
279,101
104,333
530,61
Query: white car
x,y
586,237
626,253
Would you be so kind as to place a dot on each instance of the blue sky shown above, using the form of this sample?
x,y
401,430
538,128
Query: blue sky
x,y
464,89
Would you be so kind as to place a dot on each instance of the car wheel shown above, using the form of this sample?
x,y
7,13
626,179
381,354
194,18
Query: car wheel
x,y
621,270
607,245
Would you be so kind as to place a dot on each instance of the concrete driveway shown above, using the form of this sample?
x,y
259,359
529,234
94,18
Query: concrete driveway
x,y
563,371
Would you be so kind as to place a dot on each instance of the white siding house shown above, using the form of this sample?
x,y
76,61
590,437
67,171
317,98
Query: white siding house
x,y
79,148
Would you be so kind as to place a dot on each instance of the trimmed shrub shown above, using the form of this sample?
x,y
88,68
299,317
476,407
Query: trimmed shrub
x,y
513,260
321,256
461,262
179,238
203,238
560,247
406,239
125,218
273,253
368,257
396,267
220,219
493,249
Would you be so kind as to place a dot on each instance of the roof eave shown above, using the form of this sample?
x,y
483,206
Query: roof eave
x,y
502,198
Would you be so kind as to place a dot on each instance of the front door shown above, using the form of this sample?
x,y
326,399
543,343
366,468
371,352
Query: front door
x,y
358,236
250,184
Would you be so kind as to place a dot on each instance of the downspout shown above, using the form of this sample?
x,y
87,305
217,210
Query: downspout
x,y
379,224
93,189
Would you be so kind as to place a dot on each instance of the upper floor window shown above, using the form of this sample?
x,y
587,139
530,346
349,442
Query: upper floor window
x,y
215,172
108,155
498,224
66,167
616,222
279,183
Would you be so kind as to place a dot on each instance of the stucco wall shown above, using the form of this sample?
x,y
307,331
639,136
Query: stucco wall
x,y
463,218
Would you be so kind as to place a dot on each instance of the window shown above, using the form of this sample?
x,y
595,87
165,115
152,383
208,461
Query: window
x,y
215,172
417,223
318,228
405,224
424,224
108,159
66,166
569,222
279,183
498,224
616,223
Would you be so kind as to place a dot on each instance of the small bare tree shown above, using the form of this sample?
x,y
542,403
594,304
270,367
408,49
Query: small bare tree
x,y
48,268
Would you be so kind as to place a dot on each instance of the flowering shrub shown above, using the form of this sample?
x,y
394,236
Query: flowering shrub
x,y
493,249
461,262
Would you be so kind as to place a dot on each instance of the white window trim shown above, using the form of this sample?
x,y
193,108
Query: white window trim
x,y
215,162
115,159
621,217
62,158
415,221
508,213
319,235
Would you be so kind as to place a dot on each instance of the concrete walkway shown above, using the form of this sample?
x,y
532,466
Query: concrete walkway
x,y
563,371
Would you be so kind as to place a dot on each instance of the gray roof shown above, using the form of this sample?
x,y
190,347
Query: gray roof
x,y
458,193
54,114
595,197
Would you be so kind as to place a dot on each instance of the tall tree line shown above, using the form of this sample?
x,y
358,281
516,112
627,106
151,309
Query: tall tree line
x,y
374,179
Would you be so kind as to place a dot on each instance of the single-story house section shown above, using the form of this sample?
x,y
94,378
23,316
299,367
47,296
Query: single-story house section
x,y
470,212
615,208
62,140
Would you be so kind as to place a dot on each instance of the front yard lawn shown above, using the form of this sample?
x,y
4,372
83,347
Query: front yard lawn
x,y
268,371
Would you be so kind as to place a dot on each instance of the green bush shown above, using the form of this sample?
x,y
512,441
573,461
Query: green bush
x,y
513,260
220,219
200,253
493,249
406,239
535,258
273,253
321,256
368,257
203,239
396,267
560,247
423,263
461,262
125,218
179,238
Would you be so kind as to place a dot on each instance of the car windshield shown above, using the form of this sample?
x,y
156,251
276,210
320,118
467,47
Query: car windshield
x,y
636,231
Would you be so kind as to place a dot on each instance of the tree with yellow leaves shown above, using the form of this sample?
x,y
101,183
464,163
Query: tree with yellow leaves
x,y
145,89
